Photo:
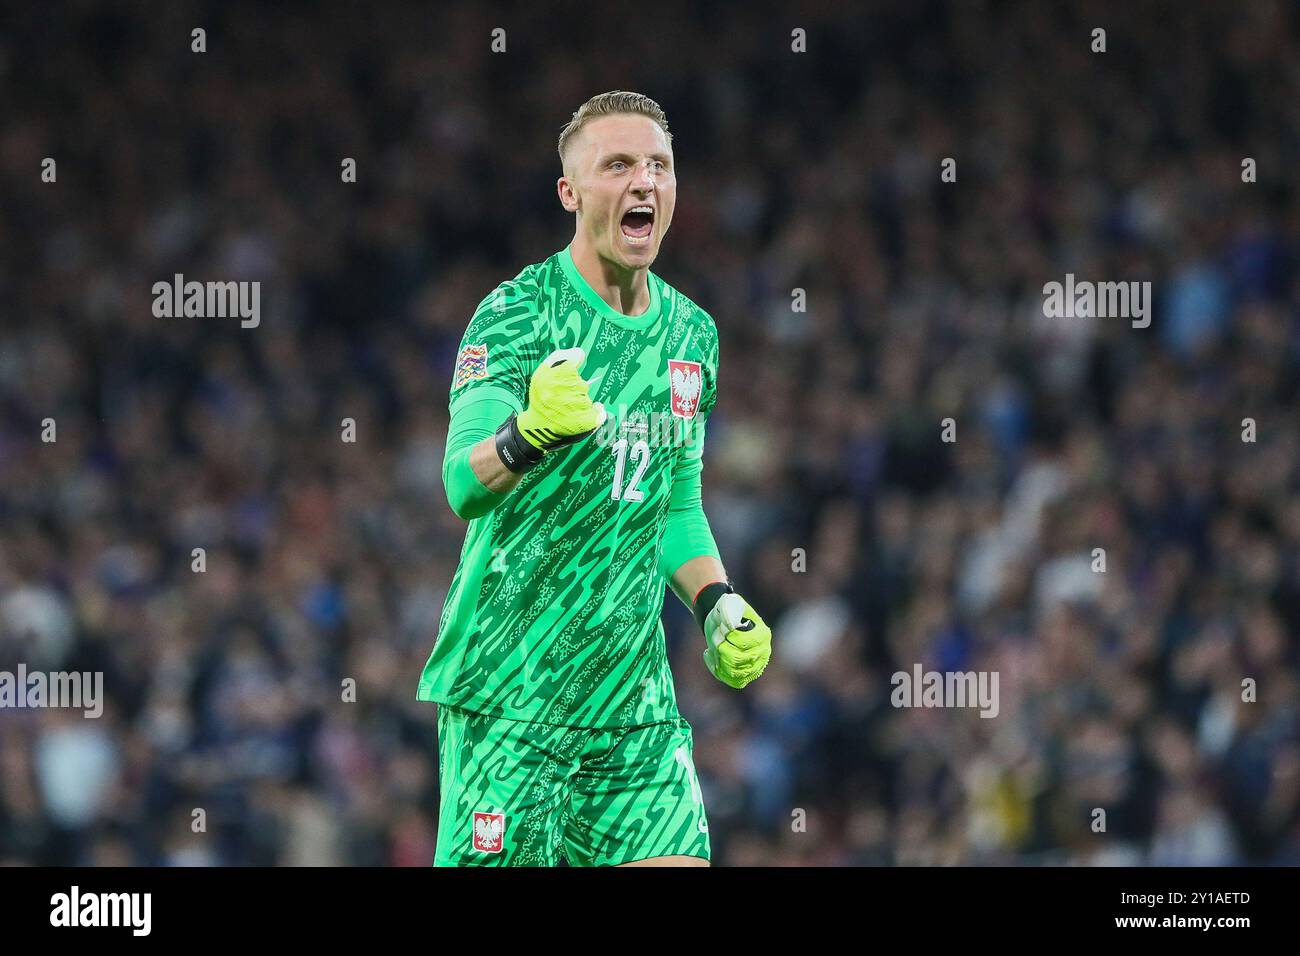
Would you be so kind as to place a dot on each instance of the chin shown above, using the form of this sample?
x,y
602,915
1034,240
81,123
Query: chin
x,y
636,255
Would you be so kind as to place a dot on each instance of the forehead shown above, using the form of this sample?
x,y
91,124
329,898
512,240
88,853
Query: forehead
x,y
622,133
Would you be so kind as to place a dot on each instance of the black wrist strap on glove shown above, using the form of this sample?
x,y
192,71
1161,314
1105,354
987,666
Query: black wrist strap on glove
x,y
708,597
515,451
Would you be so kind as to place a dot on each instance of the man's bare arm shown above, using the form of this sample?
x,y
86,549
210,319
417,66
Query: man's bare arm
x,y
490,470
694,575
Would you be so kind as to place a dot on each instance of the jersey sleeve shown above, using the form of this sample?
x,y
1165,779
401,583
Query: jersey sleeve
x,y
693,446
686,532
709,392
497,350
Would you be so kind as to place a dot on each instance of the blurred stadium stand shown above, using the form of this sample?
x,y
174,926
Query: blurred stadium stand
x,y
818,171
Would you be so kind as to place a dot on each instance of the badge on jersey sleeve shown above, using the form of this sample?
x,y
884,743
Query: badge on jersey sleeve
x,y
686,385
471,364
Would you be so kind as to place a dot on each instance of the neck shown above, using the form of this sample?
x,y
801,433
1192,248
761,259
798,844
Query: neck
x,y
626,290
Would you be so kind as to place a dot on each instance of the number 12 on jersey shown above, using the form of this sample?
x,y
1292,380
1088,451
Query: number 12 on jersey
x,y
640,458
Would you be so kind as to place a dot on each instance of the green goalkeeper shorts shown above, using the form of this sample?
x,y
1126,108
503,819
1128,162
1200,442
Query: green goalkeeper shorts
x,y
515,793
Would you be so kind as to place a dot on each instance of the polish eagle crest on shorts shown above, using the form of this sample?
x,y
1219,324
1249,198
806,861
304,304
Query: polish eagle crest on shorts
x,y
488,830
686,386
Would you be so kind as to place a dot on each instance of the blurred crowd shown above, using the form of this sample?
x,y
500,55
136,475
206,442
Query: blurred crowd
x,y
866,540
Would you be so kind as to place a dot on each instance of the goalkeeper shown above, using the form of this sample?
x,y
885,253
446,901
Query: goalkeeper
x,y
578,408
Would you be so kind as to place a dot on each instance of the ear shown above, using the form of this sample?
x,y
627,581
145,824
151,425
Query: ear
x,y
568,195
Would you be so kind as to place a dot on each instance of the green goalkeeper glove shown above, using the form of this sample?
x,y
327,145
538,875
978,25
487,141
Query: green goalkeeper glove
x,y
560,412
738,644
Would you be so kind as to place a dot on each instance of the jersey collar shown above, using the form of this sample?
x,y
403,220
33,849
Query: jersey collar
x,y
603,308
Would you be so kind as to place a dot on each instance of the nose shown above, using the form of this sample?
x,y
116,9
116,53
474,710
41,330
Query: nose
x,y
643,182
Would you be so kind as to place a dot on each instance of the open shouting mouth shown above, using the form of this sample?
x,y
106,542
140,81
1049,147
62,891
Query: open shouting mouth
x,y
637,224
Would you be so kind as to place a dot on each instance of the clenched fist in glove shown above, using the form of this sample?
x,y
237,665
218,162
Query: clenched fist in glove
x,y
560,412
738,644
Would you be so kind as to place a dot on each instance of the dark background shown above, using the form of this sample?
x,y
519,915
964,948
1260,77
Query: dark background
x,y
818,171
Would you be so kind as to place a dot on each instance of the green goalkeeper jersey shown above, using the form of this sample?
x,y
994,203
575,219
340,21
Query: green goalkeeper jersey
x,y
554,612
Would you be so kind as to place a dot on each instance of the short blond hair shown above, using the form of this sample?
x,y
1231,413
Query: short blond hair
x,y
610,104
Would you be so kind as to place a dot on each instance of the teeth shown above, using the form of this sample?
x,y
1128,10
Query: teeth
x,y
645,209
